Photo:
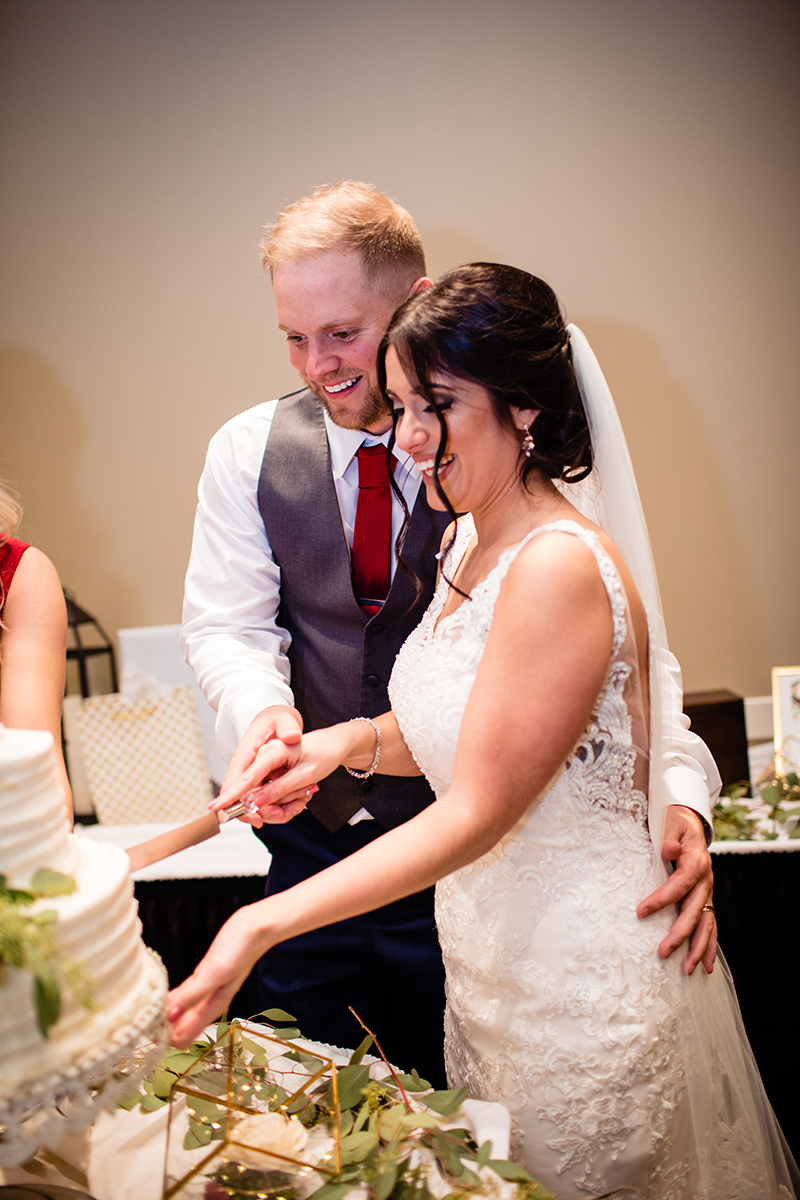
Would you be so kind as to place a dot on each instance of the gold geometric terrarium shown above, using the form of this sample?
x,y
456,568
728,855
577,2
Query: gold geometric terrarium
x,y
254,1116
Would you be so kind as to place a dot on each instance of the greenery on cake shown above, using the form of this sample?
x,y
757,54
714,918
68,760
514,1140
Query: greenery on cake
x,y
27,942
394,1133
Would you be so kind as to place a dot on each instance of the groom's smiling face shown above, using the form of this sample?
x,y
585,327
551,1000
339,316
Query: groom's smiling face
x,y
334,319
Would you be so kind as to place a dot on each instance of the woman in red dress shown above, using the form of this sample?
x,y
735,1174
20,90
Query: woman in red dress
x,y
33,636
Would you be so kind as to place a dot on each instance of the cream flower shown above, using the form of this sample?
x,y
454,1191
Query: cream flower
x,y
271,1132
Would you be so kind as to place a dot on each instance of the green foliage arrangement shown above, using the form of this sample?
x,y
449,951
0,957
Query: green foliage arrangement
x,y
778,791
780,798
734,822
390,1130
27,942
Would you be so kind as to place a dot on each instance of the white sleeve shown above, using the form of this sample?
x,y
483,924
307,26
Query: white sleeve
x,y
231,638
691,775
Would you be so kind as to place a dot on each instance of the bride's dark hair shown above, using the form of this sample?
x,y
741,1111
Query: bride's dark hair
x,y
502,328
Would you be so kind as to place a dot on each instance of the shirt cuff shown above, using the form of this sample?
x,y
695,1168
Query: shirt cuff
x,y
684,786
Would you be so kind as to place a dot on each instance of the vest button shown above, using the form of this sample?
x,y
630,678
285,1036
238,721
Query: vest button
x,y
367,785
377,628
373,681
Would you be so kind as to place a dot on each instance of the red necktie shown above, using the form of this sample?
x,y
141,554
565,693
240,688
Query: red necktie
x,y
372,535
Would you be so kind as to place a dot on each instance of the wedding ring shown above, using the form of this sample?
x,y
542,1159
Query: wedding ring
x,y
709,908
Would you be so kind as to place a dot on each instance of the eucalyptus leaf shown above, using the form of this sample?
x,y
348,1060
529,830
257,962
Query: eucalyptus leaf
x,y
447,1154
363,1115
18,896
179,1060
356,1146
446,1102
333,1191
307,1060
52,883
409,1192
351,1083
418,1084
206,1110
42,920
276,1014
162,1082
385,1183
390,1122
287,1034
151,1103
46,999
509,1170
130,1102
196,1136
484,1154
361,1050
469,1177
419,1120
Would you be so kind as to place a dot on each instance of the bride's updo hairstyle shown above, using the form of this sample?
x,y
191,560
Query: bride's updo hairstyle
x,y
501,328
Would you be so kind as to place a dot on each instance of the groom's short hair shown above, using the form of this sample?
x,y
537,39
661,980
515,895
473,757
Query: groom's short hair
x,y
348,216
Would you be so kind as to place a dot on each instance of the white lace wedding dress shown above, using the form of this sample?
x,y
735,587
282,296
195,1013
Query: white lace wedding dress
x,y
558,1004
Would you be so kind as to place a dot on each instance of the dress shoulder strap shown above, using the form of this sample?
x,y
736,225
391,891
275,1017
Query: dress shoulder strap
x,y
605,565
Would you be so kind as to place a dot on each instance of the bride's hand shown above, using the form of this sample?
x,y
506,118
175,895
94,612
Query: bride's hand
x,y
290,775
271,761
216,979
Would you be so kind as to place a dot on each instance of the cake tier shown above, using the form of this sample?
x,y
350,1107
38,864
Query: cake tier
x,y
98,926
34,830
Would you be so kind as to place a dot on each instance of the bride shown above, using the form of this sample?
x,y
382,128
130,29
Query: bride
x,y
530,695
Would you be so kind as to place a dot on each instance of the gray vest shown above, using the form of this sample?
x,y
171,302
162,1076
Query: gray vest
x,y
341,658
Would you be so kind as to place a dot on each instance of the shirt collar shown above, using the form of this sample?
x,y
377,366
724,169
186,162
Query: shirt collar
x,y
345,442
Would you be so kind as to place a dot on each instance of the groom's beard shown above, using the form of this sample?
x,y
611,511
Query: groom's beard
x,y
371,411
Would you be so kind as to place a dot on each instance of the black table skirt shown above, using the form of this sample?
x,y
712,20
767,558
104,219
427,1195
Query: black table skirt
x,y
181,916
757,897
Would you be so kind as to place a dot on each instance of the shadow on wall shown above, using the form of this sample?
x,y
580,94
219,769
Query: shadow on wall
x,y
43,454
705,587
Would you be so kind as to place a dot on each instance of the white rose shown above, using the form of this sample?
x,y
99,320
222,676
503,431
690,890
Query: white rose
x,y
271,1132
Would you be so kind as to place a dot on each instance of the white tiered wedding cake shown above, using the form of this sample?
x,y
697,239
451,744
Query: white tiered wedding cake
x,y
96,925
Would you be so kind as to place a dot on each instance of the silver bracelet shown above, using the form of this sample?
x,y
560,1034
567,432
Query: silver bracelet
x,y
376,759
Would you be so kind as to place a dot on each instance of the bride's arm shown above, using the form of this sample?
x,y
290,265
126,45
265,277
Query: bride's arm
x,y
542,669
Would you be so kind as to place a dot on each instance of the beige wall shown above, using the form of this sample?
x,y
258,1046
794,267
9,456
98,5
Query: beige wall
x,y
642,157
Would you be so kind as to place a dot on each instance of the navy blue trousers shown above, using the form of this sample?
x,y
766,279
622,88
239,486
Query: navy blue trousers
x,y
386,964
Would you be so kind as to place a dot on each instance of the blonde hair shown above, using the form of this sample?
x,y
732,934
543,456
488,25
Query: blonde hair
x,y
10,511
348,216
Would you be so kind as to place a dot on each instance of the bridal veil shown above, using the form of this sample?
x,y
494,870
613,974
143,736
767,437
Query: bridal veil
x,y
726,1143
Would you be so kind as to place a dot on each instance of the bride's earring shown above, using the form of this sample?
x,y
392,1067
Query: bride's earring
x,y
527,442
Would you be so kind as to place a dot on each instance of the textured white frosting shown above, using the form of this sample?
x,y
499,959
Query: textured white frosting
x,y
97,924
34,829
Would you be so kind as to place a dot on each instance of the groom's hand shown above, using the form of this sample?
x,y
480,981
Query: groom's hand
x,y
690,887
268,748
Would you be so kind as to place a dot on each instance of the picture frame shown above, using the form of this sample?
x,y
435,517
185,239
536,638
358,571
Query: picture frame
x,y
786,712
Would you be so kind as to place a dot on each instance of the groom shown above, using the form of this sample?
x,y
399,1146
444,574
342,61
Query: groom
x,y
286,627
